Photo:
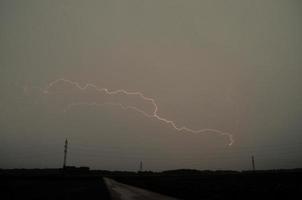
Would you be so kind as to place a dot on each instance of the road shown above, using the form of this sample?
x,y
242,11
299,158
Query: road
x,y
120,191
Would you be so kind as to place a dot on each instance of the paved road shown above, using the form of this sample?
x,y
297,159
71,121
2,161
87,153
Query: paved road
x,y
120,191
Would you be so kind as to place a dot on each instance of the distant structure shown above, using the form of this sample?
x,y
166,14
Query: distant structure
x,y
140,166
72,169
65,153
253,163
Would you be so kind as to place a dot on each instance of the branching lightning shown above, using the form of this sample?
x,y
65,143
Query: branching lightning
x,y
154,114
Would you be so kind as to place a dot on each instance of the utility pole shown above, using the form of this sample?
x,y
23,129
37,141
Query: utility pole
x,y
141,166
253,163
65,153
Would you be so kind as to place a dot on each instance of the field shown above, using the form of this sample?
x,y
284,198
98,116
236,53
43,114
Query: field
x,y
220,185
50,184
182,184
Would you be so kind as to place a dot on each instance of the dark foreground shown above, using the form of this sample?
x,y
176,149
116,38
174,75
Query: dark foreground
x,y
182,184
190,184
49,185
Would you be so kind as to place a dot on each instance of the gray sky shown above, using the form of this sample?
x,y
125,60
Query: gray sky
x,y
232,66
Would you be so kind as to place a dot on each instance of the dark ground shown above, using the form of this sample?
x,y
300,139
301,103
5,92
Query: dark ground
x,y
52,184
186,184
49,186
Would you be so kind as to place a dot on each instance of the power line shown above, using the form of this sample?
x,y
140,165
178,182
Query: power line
x,y
65,153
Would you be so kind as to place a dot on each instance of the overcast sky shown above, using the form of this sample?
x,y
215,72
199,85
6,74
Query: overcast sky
x,y
234,66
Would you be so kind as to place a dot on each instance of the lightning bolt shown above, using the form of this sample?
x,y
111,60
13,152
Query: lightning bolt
x,y
154,114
